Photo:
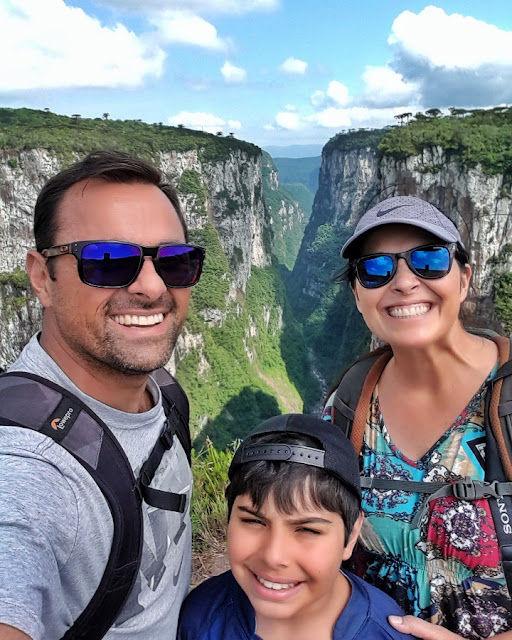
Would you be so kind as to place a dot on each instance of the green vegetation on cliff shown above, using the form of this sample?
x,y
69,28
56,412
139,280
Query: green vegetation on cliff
x,y
69,137
480,136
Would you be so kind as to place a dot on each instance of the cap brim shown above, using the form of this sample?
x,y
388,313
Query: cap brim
x,y
433,229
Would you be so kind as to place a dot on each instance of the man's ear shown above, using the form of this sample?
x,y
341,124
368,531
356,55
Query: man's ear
x,y
351,542
40,279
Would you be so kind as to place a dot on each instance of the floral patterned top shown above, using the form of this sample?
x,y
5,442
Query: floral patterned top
x,y
447,569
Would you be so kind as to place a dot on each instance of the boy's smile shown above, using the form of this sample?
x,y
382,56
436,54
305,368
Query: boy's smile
x,y
288,564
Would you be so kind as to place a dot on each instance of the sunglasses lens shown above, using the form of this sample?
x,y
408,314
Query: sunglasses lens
x,y
110,264
180,265
375,272
431,262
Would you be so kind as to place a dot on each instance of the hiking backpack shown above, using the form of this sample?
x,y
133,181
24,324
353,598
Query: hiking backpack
x,y
350,409
57,413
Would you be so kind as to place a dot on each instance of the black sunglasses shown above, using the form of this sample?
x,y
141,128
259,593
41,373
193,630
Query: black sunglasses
x,y
429,261
116,264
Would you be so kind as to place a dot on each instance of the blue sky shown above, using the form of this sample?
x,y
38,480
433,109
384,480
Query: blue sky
x,y
273,72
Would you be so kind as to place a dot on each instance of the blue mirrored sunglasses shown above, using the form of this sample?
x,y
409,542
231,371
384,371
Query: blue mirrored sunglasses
x,y
428,262
116,264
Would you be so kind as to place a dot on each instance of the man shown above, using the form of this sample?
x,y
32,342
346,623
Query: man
x,y
113,310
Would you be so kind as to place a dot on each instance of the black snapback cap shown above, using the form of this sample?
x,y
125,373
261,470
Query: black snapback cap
x,y
336,455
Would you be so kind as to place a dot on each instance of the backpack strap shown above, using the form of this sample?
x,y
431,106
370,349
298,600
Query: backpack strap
x,y
352,397
57,413
500,407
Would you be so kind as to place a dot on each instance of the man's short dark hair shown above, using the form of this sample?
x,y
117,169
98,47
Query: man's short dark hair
x,y
109,165
292,486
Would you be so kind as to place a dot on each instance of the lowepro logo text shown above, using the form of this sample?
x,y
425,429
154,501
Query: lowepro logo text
x,y
504,516
60,423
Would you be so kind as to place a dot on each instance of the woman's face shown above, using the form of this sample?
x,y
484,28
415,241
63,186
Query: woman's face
x,y
410,311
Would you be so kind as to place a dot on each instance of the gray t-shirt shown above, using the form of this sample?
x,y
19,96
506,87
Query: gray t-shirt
x,y
56,528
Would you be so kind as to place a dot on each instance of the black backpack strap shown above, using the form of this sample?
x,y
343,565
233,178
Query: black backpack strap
x,y
352,397
29,401
176,405
498,452
177,411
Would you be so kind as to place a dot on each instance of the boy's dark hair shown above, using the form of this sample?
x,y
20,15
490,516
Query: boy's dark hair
x,y
292,486
109,165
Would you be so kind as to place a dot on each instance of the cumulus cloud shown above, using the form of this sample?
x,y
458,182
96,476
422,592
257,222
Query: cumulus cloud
x,y
454,59
196,6
336,95
294,65
183,27
332,119
289,120
50,45
386,87
204,121
232,74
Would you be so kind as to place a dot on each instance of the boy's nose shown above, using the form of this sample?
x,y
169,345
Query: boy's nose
x,y
276,549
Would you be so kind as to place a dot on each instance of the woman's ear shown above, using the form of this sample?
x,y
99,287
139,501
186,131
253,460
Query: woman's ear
x,y
353,288
351,542
40,279
465,279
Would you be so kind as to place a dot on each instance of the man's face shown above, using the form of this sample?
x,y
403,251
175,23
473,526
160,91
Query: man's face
x,y
131,330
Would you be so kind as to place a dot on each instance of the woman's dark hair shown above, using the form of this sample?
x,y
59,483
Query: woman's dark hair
x,y
109,165
292,485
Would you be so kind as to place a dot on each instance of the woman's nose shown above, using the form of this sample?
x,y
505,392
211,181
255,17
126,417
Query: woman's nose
x,y
404,280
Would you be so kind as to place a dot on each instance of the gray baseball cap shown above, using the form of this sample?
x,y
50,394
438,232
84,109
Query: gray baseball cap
x,y
405,210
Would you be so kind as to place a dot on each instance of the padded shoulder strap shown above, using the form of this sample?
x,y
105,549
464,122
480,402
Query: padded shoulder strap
x,y
353,394
29,401
500,407
176,406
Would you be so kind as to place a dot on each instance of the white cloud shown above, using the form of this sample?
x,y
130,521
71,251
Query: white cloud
x,y
204,121
455,60
336,95
294,65
383,86
451,41
50,45
288,120
232,74
183,27
290,107
197,6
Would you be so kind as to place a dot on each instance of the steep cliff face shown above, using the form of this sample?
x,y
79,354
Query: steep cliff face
x,y
287,217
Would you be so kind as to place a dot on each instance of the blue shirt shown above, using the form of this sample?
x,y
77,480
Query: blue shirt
x,y
218,609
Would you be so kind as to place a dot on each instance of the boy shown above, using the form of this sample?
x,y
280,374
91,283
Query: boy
x,y
294,515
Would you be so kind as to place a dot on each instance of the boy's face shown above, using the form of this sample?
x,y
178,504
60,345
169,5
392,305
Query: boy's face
x,y
288,565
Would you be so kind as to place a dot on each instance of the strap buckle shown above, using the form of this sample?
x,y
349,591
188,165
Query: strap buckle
x,y
469,489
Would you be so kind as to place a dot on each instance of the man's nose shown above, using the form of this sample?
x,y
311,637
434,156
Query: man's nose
x,y
148,283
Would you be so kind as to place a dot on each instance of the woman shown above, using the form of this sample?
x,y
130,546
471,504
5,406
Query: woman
x,y
409,274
